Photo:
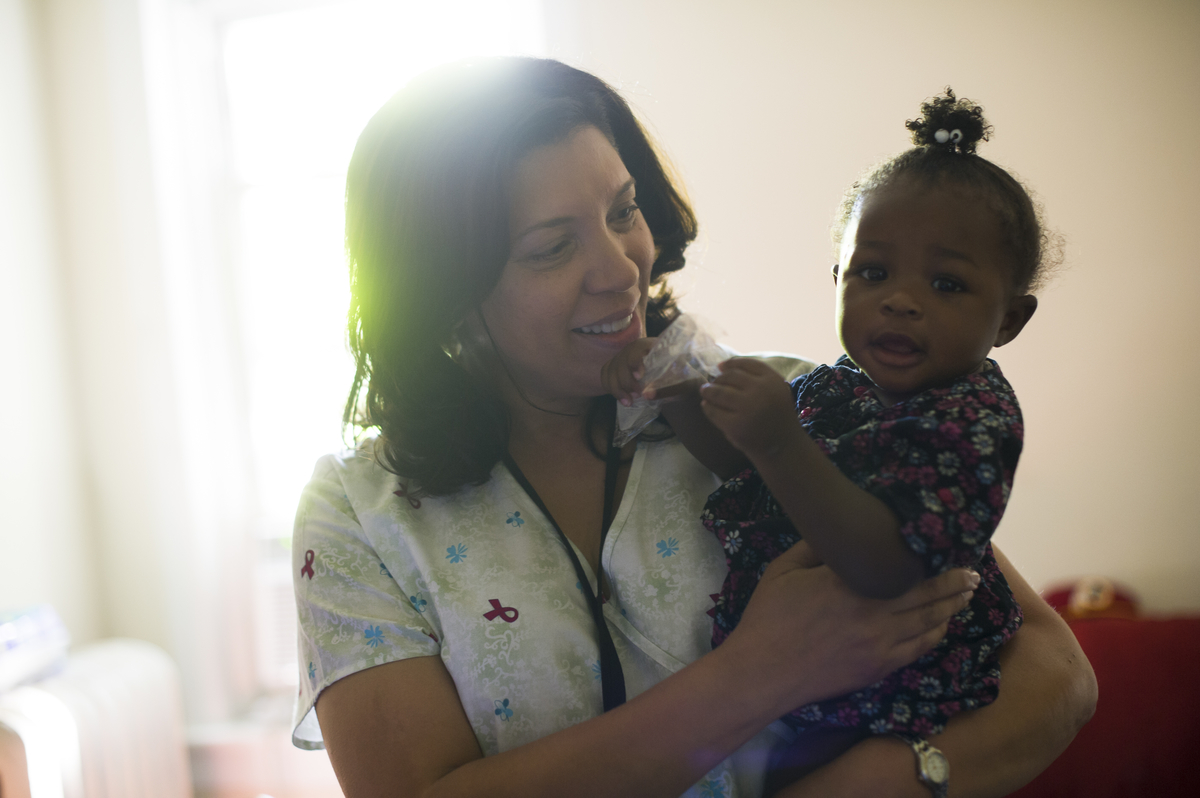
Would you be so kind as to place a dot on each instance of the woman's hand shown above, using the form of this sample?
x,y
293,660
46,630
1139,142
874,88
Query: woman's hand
x,y
1047,693
799,602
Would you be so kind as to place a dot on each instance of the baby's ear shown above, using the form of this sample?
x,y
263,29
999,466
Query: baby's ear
x,y
1020,311
835,273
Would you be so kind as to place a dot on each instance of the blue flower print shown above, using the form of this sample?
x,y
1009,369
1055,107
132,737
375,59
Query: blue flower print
x,y
880,726
312,672
733,541
596,669
457,552
869,707
515,519
986,473
383,571
502,710
374,636
668,547
418,603
711,788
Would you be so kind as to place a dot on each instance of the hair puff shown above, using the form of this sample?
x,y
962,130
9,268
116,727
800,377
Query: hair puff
x,y
948,113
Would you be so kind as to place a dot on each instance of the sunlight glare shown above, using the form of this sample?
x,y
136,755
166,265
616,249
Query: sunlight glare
x,y
300,86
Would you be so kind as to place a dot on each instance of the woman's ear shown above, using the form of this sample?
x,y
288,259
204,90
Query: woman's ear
x,y
1020,311
470,345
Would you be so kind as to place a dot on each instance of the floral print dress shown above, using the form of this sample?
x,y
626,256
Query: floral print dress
x,y
943,461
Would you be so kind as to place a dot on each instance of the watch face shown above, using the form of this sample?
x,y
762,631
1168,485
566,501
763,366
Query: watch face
x,y
936,768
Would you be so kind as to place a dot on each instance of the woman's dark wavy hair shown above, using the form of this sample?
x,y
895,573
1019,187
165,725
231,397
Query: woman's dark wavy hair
x,y
946,136
427,200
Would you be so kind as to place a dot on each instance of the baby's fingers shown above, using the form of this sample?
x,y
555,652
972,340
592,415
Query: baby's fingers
x,y
630,385
613,378
622,375
745,365
721,395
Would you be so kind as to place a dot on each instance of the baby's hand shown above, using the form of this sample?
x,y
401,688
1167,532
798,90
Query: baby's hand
x,y
622,376
751,404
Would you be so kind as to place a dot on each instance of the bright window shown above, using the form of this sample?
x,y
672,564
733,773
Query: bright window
x,y
299,86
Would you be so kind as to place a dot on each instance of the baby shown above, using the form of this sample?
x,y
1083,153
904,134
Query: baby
x,y
896,462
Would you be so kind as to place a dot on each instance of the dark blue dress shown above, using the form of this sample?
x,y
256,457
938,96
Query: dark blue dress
x,y
943,461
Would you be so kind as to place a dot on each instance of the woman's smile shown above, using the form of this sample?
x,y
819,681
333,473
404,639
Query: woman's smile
x,y
603,327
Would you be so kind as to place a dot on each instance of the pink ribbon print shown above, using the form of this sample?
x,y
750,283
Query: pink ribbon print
x,y
307,570
507,614
403,494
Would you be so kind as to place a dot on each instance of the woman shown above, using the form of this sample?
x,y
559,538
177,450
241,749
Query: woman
x,y
509,226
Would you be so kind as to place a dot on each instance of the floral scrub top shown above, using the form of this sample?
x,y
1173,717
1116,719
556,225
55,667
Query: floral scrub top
x,y
481,580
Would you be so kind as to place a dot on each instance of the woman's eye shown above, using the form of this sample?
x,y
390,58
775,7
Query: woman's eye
x,y
625,215
948,285
551,253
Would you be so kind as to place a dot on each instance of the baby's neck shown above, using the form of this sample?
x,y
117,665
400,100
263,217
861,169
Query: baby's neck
x,y
887,398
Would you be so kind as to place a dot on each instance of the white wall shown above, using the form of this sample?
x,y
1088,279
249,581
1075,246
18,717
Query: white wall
x,y
770,109
45,549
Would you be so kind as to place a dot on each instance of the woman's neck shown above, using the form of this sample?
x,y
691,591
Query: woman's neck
x,y
560,429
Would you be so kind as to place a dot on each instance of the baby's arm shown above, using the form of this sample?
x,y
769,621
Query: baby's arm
x,y
853,532
681,407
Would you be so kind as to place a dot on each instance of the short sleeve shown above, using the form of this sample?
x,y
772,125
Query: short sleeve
x,y
946,473
352,614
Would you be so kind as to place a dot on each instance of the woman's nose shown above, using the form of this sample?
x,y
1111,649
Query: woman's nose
x,y
611,269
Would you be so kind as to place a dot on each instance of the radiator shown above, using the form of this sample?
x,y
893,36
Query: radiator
x,y
108,725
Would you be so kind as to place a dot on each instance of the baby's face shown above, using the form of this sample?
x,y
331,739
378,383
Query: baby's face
x,y
924,287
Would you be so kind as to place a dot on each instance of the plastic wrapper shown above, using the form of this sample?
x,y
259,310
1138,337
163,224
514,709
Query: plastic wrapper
x,y
686,350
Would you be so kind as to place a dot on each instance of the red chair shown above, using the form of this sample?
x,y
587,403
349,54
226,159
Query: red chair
x,y
1146,730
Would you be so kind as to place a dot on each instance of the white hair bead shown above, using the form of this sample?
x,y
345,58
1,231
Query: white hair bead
x,y
942,136
956,135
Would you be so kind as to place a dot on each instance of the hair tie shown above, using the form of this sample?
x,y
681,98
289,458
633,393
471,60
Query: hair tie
x,y
943,135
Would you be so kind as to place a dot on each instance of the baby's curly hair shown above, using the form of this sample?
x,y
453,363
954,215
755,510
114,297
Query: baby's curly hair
x,y
945,137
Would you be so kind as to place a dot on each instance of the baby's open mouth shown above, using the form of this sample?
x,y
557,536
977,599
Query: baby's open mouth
x,y
606,327
896,343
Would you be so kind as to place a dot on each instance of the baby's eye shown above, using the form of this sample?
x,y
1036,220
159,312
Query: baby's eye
x,y
948,284
873,273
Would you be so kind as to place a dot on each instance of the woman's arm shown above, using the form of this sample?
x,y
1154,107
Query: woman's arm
x,y
399,729
1047,693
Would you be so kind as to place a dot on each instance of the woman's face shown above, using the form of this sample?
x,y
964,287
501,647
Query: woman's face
x,y
573,292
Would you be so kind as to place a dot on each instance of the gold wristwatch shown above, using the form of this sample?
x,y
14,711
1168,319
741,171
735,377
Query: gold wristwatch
x,y
932,767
